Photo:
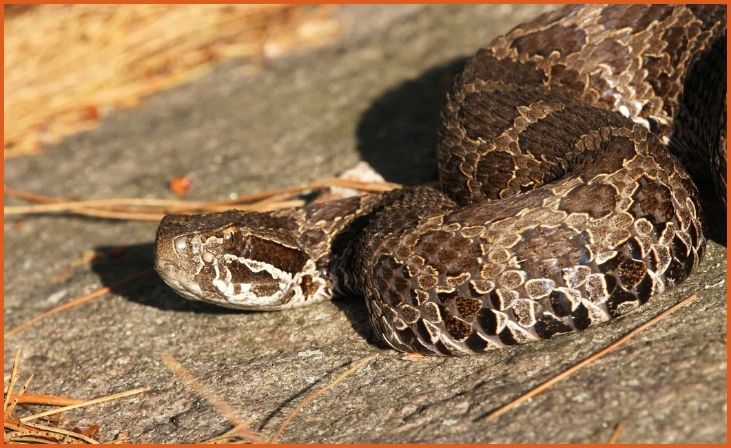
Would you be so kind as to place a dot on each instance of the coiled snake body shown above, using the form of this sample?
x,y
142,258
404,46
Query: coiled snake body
x,y
561,205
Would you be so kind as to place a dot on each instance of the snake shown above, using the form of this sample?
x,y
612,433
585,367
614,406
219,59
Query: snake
x,y
567,153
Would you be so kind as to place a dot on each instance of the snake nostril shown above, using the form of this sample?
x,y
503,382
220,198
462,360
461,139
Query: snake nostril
x,y
165,268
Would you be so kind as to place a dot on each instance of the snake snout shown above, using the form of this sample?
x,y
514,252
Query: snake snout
x,y
168,243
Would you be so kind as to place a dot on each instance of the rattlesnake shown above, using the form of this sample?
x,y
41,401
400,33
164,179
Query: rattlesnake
x,y
560,204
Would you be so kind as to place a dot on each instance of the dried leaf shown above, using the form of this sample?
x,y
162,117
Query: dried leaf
x,y
180,185
89,431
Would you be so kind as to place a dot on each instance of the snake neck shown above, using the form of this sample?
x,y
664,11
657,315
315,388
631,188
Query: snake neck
x,y
380,217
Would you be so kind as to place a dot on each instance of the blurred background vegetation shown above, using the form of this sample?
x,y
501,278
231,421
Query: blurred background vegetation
x,y
66,66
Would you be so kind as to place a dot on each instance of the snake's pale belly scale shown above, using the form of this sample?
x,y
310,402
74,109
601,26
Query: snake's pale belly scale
x,y
561,206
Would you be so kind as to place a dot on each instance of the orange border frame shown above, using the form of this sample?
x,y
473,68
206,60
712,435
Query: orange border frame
x,y
2,200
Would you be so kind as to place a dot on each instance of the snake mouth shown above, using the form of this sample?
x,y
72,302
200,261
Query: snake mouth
x,y
166,269
173,276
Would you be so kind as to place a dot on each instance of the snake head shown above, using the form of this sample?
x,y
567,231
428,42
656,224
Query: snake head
x,y
237,260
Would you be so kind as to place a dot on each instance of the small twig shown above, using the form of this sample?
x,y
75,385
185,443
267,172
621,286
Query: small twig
x,y
262,206
85,403
322,183
14,402
48,400
90,212
14,375
22,431
117,204
30,196
51,429
223,408
618,428
147,209
494,414
313,396
355,184
76,209
78,301
135,202
233,435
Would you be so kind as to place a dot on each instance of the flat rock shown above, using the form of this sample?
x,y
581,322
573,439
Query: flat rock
x,y
373,95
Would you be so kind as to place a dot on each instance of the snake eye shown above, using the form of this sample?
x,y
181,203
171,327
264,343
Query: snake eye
x,y
181,244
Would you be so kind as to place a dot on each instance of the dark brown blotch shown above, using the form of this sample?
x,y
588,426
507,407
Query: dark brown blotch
x,y
485,66
457,328
309,287
204,279
502,298
240,273
549,325
409,313
675,273
282,257
581,317
495,169
598,200
612,54
488,320
430,311
507,337
265,289
644,288
634,248
563,39
637,17
620,302
467,307
484,116
475,343
610,157
568,78
561,302
562,244
679,248
653,201
693,232
631,273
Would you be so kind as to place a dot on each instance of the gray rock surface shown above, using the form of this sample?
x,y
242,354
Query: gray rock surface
x,y
374,95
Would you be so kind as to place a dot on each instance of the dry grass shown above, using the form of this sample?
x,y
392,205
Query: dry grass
x,y
140,209
68,65
616,432
23,429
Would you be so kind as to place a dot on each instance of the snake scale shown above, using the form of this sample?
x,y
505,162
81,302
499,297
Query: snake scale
x,y
564,156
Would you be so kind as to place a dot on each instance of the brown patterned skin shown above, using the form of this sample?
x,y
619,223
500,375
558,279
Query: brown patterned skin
x,y
561,206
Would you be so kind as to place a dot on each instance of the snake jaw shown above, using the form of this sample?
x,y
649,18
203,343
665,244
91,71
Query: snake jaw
x,y
169,272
